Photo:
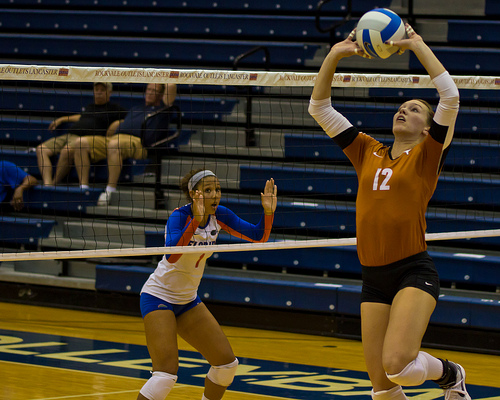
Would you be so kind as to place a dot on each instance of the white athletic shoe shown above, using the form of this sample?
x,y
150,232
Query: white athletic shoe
x,y
104,199
457,391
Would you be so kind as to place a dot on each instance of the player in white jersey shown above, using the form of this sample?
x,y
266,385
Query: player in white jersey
x,y
170,304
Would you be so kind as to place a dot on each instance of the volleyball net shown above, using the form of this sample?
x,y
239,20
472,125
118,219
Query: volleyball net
x,y
246,126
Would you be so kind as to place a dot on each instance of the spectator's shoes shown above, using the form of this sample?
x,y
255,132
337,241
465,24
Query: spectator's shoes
x,y
456,390
104,199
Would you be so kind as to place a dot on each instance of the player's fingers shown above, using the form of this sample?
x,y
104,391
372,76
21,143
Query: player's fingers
x,y
409,30
352,34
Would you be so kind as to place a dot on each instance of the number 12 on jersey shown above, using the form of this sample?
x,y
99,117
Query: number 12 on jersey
x,y
386,173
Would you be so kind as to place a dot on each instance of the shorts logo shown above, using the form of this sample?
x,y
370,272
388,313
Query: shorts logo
x,y
428,284
162,306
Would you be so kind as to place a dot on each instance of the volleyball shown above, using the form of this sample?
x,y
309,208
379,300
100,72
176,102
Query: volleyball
x,y
375,28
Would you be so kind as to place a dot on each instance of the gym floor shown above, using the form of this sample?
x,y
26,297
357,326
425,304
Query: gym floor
x,y
51,353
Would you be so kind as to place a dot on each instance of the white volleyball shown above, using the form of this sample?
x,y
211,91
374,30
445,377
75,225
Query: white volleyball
x,y
377,27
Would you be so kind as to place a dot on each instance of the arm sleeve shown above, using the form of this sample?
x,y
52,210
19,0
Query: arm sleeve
x,y
327,117
242,229
447,109
180,229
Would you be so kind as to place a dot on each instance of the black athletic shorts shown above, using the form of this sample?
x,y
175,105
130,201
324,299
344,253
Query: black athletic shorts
x,y
381,284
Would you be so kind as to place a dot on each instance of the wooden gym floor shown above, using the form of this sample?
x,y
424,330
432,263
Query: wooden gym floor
x,y
49,354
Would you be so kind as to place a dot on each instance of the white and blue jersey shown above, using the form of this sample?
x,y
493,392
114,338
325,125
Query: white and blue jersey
x,y
177,276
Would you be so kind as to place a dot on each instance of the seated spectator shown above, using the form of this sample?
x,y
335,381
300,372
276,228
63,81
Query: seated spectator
x,y
123,141
96,119
13,182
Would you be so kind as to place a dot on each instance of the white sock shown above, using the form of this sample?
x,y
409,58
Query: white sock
x,y
110,189
84,187
204,398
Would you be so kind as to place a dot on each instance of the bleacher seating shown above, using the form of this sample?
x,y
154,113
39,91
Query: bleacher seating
x,y
96,49
274,7
337,219
190,25
454,267
301,294
21,230
26,159
481,155
200,34
451,188
54,101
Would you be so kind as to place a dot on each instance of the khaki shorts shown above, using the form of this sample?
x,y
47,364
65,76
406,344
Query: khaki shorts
x,y
130,146
98,147
57,143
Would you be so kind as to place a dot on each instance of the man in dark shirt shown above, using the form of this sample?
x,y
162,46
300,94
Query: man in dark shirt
x,y
124,139
95,120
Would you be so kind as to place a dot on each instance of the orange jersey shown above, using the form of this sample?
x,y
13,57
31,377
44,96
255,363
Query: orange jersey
x,y
392,197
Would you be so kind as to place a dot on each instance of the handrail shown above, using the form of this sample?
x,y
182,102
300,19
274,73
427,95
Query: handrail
x,y
331,29
250,139
250,52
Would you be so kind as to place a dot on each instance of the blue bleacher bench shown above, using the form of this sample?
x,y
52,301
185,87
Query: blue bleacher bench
x,y
24,230
229,26
338,219
462,153
300,6
463,60
296,294
473,31
452,189
64,198
72,101
454,266
479,96
304,217
148,50
26,159
25,130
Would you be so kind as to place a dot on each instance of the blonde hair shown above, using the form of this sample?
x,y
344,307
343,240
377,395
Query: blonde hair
x,y
430,111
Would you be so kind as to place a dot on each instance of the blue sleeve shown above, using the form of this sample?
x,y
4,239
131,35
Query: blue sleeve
x,y
238,227
11,174
179,229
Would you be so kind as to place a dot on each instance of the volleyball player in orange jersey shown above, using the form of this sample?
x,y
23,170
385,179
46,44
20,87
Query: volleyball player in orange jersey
x,y
395,184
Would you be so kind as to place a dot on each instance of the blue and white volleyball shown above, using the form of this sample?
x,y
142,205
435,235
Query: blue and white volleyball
x,y
377,27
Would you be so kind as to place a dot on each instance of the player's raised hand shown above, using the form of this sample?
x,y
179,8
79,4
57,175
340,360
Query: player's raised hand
x,y
407,44
349,47
198,206
269,197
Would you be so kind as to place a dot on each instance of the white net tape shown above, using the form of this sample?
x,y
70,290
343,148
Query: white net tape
x,y
222,248
222,77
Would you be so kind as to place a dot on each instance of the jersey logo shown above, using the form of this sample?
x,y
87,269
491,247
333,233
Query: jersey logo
x,y
376,155
407,152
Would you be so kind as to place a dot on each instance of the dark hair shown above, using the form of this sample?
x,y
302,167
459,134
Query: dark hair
x,y
185,180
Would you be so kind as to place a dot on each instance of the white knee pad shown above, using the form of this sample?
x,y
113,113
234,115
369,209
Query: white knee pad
x,y
223,375
414,374
396,393
158,386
